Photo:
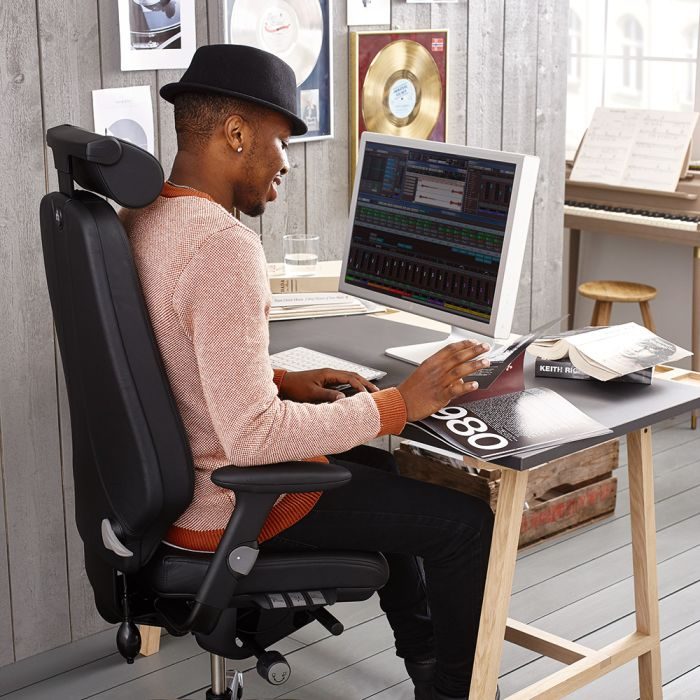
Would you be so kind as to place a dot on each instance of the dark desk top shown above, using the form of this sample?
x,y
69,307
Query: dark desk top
x,y
363,339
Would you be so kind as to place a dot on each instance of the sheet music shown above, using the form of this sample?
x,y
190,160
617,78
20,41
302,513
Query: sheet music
x,y
639,148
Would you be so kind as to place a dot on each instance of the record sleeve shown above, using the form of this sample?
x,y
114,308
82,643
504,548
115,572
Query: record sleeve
x,y
299,32
398,85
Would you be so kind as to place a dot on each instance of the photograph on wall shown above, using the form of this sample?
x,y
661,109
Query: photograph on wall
x,y
126,113
366,12
398,85
299,32
156,34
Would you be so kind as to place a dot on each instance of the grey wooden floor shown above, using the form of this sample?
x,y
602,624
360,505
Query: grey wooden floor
x,y
577,585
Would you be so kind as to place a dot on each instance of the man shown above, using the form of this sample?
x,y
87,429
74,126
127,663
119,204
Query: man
x,y
204,279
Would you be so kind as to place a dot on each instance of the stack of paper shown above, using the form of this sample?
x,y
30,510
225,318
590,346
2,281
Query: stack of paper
x,y
317,304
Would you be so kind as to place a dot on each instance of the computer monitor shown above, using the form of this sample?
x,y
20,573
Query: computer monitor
x,y
439,230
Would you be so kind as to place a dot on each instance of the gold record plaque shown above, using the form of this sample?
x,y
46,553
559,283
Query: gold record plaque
x,y
402,92
398,85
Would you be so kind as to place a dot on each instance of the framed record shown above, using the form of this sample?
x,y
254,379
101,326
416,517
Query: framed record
x,y
299,32
398,85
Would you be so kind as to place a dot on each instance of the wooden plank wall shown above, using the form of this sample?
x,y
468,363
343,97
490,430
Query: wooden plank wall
x,y
506,90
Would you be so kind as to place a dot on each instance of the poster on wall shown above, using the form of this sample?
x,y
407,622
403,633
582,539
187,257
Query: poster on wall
x,y
156,34
369,12
299,32
126,113
398,85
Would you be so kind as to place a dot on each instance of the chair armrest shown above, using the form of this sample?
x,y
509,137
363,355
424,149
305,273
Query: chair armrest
x,y
257,490
285,477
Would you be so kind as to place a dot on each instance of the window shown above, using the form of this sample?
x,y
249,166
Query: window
x,y
690,39
574,70
632,52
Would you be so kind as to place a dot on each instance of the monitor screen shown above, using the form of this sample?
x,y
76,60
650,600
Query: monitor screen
x,y
431,225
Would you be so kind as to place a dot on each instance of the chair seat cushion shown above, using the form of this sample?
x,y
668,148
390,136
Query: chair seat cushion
x,y
179,573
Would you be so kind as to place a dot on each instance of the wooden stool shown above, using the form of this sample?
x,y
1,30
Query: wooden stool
x,y
606,293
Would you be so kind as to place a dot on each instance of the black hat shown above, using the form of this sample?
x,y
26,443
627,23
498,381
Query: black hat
x,y
243,72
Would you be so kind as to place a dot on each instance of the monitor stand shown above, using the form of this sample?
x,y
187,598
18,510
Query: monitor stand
x,y
415,354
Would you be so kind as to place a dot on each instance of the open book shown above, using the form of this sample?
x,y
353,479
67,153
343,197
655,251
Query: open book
x,y
509,424
607,353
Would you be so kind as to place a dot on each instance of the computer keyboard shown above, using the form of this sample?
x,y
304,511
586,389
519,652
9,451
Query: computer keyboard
x,y
301,359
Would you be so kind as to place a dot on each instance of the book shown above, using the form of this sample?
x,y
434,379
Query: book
x,y
325,279
509,424
565,369
286,307
609,352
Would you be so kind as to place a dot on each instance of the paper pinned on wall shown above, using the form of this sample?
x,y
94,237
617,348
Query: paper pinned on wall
x,y
156,35
366,12
126,113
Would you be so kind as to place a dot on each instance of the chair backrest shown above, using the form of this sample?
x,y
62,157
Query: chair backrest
x,y
131,460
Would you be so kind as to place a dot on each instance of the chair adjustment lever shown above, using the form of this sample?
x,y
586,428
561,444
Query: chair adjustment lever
x,y
331,623
111,541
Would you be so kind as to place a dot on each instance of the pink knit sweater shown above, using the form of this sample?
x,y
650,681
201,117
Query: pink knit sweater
x,y
204,279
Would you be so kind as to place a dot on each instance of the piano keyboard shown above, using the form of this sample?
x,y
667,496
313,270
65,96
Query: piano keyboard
x,y
632,216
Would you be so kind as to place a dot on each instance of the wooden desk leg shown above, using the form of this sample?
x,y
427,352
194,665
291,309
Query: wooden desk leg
x,y
574,253
646,595
695,339
499,583
150,640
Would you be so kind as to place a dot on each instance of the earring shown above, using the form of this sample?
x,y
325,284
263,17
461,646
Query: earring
x,y
239,149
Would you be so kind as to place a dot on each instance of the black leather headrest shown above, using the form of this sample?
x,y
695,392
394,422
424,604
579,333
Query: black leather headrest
x,y
106,165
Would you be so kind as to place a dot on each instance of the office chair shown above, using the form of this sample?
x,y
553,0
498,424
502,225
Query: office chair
x,y
132,465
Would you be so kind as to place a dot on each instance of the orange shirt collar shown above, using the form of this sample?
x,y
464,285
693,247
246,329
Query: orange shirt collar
x,y
170,190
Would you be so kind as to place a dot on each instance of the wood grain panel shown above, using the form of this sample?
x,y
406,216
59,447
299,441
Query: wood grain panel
x,y
70,65
454,18
287,214
519,108
28,407
110,60
409,16
327,192
485,73
549,196
162,110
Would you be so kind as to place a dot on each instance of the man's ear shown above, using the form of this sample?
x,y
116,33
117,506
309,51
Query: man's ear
x,y
237,132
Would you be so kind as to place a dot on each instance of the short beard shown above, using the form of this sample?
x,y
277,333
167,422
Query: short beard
x,y
257,210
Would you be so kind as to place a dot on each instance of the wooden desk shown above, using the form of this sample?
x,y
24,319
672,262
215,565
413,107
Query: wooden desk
x,y
626,409
692,240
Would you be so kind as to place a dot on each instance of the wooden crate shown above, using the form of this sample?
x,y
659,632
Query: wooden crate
x,y
562,494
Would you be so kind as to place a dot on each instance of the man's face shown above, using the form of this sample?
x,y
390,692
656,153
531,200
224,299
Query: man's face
x,y
265,164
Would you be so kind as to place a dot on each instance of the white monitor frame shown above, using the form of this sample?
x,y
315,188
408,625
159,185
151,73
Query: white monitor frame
x,y
515,238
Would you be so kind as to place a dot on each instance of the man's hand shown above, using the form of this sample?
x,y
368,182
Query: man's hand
x,y
313,386
439,379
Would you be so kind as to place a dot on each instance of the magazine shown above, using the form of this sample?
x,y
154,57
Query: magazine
x,y
613,351
502,356
508,424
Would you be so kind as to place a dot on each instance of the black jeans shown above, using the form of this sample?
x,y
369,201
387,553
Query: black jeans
x,y
404,518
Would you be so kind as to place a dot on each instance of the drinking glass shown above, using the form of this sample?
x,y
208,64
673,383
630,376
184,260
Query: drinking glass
x,y
300,254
